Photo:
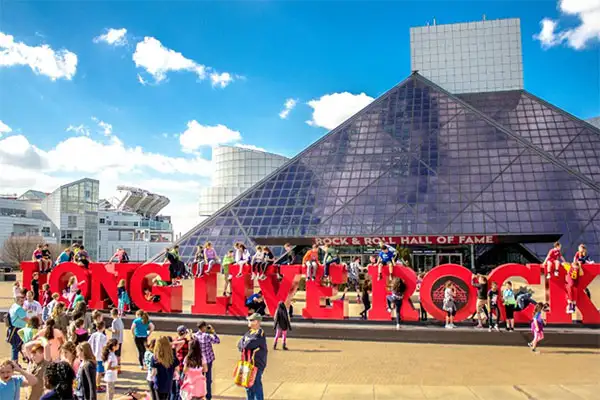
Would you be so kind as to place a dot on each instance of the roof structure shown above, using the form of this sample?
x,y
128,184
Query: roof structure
x,y
140,201
419,160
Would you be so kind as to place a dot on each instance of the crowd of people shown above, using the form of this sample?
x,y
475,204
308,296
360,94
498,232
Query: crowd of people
x,y
68,353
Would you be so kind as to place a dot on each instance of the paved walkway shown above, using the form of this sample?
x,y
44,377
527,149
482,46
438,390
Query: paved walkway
x,y
323,369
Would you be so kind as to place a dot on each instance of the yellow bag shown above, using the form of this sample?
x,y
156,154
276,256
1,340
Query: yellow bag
x,y
244,373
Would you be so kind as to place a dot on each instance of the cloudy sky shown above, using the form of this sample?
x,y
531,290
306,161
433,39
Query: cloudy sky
x,y
137,93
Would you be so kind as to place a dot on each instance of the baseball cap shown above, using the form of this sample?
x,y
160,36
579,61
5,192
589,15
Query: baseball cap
x,y
255,317
181,329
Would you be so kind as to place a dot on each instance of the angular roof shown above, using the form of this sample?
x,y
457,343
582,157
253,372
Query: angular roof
x,y
419,160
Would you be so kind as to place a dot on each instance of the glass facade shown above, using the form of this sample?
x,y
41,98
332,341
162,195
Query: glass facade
x,y
420,160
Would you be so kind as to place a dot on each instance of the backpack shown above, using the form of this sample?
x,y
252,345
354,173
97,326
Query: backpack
x,y
125,257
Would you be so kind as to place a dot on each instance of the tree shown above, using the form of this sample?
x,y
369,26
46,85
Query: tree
x,y
20,248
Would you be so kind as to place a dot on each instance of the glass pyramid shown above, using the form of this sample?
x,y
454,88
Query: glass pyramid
x,y
419,160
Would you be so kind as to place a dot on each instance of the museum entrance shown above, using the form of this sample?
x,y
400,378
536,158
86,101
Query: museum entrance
x,y
424,260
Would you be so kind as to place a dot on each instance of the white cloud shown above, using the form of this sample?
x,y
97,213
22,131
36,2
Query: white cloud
x,y
250,147
104,126
114,37
221,80
588,30
79,129
332,109
288,106
4,128
197,135
42,60
158,60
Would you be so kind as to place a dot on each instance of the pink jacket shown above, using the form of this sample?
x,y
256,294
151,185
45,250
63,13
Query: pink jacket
x,y
194,384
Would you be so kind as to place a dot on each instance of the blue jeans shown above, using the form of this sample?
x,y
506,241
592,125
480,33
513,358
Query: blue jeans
x,y
208,377
397,304
256,391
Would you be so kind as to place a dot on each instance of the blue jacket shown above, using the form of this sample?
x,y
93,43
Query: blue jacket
x,y
256,342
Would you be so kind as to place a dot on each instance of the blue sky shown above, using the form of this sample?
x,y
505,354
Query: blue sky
x,y
271,51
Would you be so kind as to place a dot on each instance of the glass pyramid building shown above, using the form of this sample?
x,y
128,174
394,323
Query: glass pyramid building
x,y
419,160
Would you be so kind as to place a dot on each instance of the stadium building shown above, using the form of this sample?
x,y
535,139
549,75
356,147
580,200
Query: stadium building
x,y
478,178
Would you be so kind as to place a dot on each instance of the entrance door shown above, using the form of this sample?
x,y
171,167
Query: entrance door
x,y
449,258
423,262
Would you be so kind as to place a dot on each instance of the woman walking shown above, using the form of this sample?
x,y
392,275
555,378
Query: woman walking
x,y
142,328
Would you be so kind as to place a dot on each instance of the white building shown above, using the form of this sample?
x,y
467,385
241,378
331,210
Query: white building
x,y
481,56
24,218
236,169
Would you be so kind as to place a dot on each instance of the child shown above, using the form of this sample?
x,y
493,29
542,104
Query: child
x,y
199,260
117,327
86,374
552,260
157,281
181,345
72,288
16,289
78,297
210,258
282,324
123,297
46,259
365,299
97,342
35,286
27,334
257,260
310,260
330,257
537,326
242,257
508,296
96,319
148,356
31,306
47,295
480,282
449,306
37,257
422,311
151,297
394,300
353,278
582,255
493,307
79,334
111,366
386,257
574,271
268,259
227,261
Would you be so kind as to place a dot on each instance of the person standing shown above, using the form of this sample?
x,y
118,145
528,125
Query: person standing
x,y
163,367
10,385
18,320
207,336
508,297
86,374
394,300
254,342
141,327
37,368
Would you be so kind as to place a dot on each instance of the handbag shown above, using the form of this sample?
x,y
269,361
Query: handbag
x,y
245,371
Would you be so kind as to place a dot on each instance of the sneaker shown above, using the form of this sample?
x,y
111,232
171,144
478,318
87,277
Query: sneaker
x,y
448,326
452,325
530,345
490,329
479,326
275,346
496,328
555,272
285,347
389,310
548,276
397,327
569,311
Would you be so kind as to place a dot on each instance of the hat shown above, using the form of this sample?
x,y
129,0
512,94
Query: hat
x,y
181,329
255,317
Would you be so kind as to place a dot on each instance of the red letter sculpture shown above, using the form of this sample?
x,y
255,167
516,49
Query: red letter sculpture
x,y
206,300
314,293
531,274
380,292
432,291
171,297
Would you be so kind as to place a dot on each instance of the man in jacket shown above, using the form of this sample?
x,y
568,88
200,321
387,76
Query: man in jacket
x,y
254,344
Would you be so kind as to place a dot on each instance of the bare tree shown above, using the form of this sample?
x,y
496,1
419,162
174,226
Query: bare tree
x,y
20,248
